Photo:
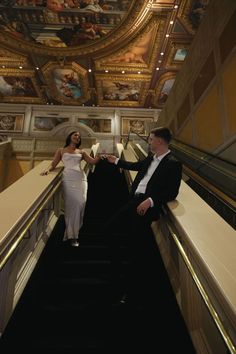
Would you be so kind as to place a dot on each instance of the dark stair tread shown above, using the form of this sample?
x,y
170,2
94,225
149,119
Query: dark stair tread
x,y
67,305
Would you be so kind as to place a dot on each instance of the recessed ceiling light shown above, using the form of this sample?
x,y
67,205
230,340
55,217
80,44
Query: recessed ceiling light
x,y
176,7
20,67
167,35
139,72
123,72
171,22
157,68
162,53
89,70
106,71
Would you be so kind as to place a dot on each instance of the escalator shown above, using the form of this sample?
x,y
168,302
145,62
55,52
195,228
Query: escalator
x,y
210,176
70,306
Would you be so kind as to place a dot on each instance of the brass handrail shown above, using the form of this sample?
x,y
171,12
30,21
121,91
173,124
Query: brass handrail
x,y
27,226
228,341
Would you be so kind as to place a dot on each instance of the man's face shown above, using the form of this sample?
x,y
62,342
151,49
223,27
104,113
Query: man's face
x,y
153,142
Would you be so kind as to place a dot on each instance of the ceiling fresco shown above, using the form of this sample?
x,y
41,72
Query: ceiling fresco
x,y
107,53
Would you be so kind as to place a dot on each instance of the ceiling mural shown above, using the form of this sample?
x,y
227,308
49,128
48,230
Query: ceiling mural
x,y
68,82
106,53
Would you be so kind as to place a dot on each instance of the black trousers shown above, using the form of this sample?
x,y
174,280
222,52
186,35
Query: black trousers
x,y
126,229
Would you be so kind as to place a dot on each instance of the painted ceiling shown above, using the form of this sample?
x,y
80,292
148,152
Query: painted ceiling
x,y
107,53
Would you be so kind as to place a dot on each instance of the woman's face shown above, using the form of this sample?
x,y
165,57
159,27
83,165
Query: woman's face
x,y
75,138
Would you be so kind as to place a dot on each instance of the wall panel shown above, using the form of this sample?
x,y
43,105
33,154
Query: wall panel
x,y
208,127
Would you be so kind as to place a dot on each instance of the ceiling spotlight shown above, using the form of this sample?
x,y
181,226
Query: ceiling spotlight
x,y
176,7
106,71
20,67
89,70
159,61
171,22
162,53
123,72
139,72
167,35
37,68
157,68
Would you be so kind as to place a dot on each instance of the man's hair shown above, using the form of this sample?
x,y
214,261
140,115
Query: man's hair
x,y
162,132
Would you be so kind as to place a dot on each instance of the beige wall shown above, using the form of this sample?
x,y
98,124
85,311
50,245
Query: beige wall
x,y
229,80
207,122
201,108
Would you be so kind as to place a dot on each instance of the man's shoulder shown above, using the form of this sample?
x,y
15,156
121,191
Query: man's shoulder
x,y
173,159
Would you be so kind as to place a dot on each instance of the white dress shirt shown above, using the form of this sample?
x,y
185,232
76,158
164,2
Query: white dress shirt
x,y
144,181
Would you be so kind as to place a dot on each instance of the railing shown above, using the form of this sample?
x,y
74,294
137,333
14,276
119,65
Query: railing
x,y
192,240
29,209
212,177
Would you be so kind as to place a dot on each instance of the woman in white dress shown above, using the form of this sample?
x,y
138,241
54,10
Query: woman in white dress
x,y
74,182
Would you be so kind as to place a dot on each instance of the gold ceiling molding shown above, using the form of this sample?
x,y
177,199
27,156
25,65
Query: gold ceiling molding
x,y
10,58
68,83
184,10
136,18
138,53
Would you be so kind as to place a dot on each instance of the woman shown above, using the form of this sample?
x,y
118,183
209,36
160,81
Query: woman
x,y
74,182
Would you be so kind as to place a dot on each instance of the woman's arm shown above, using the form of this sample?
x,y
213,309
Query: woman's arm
x,y
90,159
54,163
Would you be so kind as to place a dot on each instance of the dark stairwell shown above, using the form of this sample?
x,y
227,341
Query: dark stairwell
x,y
68,305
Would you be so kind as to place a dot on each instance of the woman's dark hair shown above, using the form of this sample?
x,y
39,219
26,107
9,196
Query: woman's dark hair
x,y
68,140
162,132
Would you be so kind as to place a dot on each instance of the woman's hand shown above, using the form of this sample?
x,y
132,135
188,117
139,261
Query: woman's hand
x,y
103,156
44,173
111,158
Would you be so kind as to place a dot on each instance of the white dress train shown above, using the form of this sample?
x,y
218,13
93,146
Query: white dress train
x,y
75,187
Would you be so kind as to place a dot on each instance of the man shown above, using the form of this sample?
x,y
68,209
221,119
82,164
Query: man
x,y
157,182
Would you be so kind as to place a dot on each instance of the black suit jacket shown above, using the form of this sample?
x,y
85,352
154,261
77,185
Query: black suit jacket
x,y
164,184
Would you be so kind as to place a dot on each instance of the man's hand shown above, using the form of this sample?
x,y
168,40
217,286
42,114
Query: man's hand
x,y
143,207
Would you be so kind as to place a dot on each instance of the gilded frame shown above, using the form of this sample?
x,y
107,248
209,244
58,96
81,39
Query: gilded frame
x,y
172,50
11,122
51,69
135,124
158,90
139,81
23,86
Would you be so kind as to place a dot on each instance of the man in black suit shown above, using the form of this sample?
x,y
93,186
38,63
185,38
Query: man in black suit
x,y
156,183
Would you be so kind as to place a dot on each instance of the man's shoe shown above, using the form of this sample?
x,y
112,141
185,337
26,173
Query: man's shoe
x,y
74,243
124,299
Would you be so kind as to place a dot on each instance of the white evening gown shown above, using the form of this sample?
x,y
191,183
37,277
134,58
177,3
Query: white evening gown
x,y
75,186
